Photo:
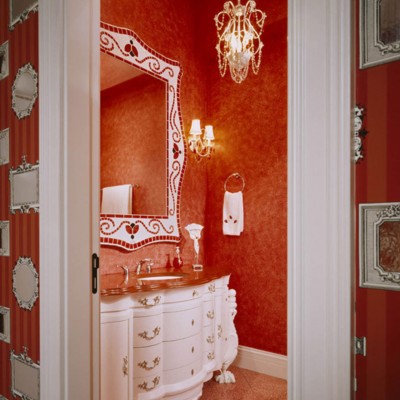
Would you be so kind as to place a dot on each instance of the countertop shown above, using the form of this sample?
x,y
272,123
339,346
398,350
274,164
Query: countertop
x,y
116,284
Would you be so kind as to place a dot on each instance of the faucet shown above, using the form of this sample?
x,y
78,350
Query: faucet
x,y
149,263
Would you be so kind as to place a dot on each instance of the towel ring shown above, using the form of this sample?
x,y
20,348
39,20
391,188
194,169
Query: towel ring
x,y
237,176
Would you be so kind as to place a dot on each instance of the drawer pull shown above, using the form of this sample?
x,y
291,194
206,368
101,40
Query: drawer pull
x,y
192,322
211,356
143,364
210,339
147,303
192,372
195,293
125,366
144,386
219,331
193,349
144,334
211,287
210,314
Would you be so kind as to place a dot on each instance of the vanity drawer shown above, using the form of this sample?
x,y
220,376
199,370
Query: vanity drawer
x,y
147,331
181,374
182,324
148,384
147,361
208,313
183,294
148,300
182,352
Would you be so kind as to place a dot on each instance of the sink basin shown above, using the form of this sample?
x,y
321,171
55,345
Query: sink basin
x,y
159,277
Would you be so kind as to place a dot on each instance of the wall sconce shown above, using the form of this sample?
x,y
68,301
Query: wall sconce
x,y
239,29
201,146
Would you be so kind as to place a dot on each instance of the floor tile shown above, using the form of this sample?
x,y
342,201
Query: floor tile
x,y
249,385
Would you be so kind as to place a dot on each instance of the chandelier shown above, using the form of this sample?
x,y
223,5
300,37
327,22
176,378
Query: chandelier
x,y
239,29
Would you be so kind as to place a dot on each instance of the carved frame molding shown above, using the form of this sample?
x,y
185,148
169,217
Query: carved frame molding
x,y
131,232
373,246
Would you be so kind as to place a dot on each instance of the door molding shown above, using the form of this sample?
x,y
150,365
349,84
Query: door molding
x,y
67,121
319,240
319,195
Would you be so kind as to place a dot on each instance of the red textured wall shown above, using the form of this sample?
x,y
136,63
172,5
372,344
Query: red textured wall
x,y
250,124
377,179
24,228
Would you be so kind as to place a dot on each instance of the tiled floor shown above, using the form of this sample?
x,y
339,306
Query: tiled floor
x,y
249,386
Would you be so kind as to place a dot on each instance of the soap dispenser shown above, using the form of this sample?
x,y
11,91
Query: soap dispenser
x,y
177,263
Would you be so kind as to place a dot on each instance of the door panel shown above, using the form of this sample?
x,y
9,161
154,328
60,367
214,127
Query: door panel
x,y
377,180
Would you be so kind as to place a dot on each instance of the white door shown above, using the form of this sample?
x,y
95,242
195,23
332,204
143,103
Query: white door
x,y
69,137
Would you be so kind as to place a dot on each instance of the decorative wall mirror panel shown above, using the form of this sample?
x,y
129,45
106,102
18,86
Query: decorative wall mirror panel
x,y
380,245
4,60
131,57
24,91
25,283
379,32
4,146
25,376
4,238
24,187
20,10
5,324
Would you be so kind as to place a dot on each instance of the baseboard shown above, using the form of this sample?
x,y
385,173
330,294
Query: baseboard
x,y
262,361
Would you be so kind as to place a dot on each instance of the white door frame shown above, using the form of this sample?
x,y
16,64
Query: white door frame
x,y
69,169
319,201
319,209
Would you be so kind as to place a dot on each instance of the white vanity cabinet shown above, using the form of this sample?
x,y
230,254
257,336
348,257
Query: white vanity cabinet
x,y
170,341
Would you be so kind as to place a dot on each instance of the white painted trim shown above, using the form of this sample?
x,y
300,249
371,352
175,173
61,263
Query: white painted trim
x,y
262,361
65,142
319,191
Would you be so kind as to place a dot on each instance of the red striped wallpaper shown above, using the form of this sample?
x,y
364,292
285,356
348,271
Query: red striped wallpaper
x,y
24,228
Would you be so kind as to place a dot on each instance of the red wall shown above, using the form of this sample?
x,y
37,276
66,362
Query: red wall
x,y
377,179
24,228
250,124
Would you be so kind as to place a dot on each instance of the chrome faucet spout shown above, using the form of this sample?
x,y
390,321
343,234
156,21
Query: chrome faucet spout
x,y
149,264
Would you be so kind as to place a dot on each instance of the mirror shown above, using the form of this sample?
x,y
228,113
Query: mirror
x,y
4,60
143,144
25,376
25,283
133,134
4,238
20,10
24,91
24,187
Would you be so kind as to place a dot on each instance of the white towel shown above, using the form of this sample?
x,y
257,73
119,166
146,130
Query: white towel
x,y
117,200
232,214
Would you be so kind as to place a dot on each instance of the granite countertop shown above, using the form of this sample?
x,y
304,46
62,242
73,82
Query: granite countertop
x,y
116,284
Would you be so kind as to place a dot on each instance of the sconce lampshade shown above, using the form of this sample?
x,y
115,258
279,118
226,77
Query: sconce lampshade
x,y
209,132
195,129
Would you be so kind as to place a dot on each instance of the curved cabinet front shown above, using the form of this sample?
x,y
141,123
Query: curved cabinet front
x,y
165,344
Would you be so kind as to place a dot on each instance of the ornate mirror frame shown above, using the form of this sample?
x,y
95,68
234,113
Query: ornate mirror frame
x,y
4,64
25,376
4,238
26,292
20,10
24,187
379,240
29,71
131,232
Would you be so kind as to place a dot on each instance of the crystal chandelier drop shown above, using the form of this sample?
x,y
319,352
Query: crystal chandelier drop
x,y
239,29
